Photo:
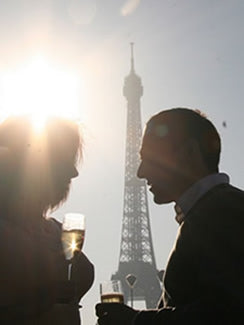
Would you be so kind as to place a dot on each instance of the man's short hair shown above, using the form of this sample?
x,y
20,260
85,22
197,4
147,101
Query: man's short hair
x,y
196,126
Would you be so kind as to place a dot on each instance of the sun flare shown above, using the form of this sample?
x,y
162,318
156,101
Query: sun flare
x,y
73,245
40,89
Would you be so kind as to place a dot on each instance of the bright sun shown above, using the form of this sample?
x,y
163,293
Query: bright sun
x,y
40,90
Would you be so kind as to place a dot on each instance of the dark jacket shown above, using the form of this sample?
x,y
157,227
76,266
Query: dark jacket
x,y
205,271
33,275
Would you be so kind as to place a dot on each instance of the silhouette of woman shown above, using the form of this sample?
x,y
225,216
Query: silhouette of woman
x,y
36,170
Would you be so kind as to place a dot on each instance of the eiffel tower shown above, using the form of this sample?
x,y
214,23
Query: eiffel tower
x,y
136,250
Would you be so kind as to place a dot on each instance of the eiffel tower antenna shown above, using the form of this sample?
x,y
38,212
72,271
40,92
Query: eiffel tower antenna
x,y
136,250
132,56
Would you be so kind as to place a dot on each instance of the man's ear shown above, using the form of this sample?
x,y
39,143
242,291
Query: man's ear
x,y
195,157
193,147
191,151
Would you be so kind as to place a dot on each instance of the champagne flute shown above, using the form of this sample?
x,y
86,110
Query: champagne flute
x,y
73,235
111,291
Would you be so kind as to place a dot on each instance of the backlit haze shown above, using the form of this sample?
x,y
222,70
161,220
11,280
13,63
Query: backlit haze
x,y
70,57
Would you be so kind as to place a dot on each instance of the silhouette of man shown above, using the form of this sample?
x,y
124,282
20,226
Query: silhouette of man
x,y
204,275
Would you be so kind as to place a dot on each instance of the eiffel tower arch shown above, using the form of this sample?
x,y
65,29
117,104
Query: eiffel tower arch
x,y
136,250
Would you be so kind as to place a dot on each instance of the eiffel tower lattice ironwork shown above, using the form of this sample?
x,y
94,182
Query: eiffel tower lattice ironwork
x,y
136,251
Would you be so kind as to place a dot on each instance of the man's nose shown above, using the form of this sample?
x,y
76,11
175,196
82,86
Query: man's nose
x,y
140,173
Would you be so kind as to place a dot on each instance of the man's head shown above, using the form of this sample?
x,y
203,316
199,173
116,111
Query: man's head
x,y
180,146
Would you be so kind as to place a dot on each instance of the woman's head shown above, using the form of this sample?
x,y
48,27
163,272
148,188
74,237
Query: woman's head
x,y
37,167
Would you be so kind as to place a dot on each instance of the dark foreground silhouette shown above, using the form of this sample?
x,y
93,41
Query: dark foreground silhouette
x,y
204,277
36,170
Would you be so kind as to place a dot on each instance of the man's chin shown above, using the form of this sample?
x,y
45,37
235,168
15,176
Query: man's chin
x,y
159,198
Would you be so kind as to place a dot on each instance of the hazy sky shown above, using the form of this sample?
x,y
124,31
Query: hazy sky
x,y
187,53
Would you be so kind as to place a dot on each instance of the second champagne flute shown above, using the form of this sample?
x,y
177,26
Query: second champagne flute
x,y
111,291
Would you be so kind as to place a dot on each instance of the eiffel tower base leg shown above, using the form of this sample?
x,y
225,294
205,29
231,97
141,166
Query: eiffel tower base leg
x,y
147,286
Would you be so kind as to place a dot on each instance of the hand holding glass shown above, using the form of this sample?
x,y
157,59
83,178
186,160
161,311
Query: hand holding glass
x,y
111,291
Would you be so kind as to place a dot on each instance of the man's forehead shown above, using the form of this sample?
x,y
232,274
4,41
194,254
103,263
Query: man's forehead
x,y
154,144
161,135
157,130
166,128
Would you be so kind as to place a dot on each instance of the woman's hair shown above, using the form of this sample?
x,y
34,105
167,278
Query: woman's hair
x,y
34,171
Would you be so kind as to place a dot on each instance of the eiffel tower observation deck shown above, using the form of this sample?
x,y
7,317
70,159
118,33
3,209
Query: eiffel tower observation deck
x,y
136,250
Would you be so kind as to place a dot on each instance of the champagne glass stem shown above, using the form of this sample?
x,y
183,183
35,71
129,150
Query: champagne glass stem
x,y
69,271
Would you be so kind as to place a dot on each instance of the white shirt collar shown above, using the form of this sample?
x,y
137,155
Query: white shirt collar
x,y
197,190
